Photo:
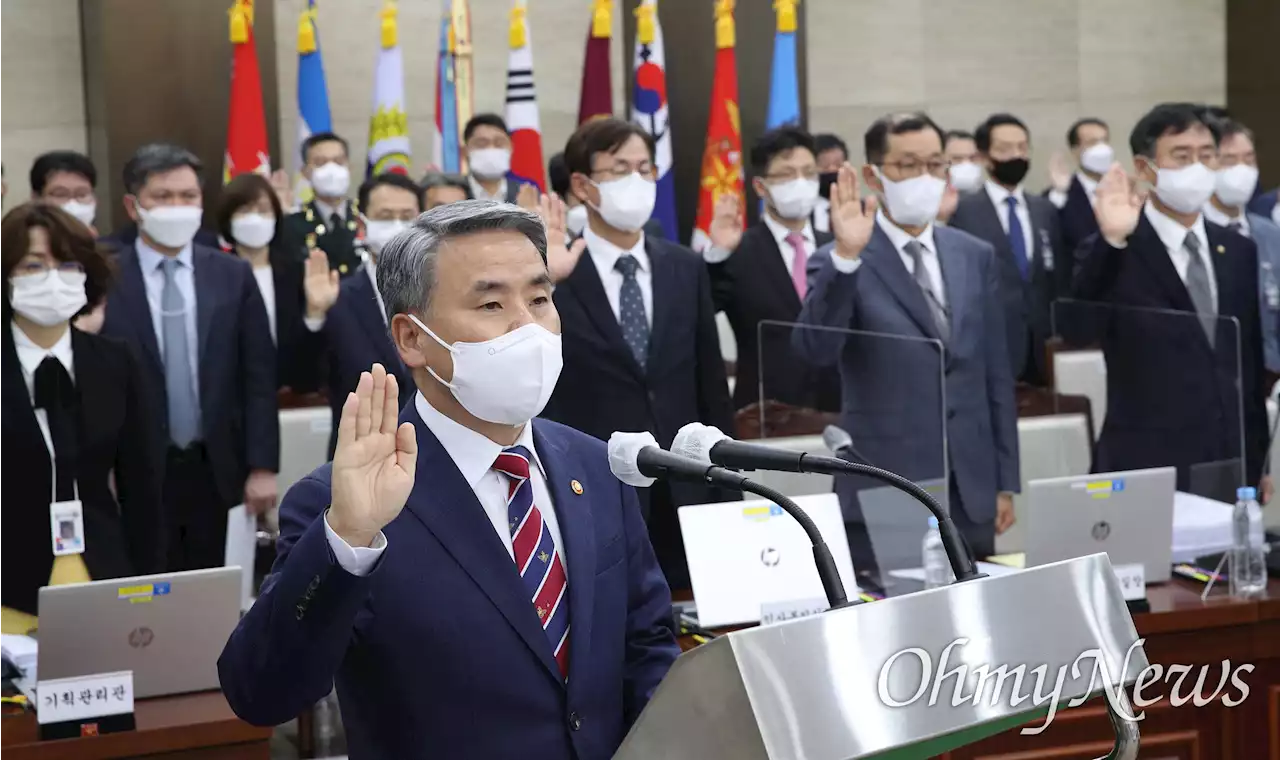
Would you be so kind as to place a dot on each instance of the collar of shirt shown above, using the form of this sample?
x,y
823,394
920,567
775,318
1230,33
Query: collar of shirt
x,y
30,355
150,259
1173,234
899,236
1089,184
470,451
327,211
999,195
780,233
1218,217
478,192
606,254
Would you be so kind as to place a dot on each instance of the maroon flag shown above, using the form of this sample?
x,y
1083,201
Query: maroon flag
x,y
597,79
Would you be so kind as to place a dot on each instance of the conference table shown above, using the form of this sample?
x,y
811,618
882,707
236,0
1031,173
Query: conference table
x,y
1180,629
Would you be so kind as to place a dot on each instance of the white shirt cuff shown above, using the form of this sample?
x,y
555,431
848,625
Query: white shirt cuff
x,y
714,255
843,265
1058,198
314,324
357,560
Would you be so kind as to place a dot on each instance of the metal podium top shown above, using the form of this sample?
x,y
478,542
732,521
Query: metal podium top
x,y
871,679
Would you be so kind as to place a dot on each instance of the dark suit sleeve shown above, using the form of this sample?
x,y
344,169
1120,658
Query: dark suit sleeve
x,y
714,406
651,642
1253,365
1096,264
1000,398
284,654
258,373
830,303
137,473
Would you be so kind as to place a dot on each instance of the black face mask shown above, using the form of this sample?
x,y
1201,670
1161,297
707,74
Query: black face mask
x,y
1009,172
825,181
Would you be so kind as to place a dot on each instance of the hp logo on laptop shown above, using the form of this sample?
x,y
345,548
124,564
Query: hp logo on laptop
x,y
140,638
770,556
1101,530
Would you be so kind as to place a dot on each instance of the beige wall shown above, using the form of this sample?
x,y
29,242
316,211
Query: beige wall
x,y
41,85
349,39
1047,61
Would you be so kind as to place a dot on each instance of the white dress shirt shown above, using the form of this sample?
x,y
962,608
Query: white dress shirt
x,y
929,257
267,286
1090,185
1216,215
1000,197
479,193
1173,235
474,455
150,260
604,255
30,356
326,211
781,233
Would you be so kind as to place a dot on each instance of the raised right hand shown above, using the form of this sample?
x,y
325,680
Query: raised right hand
x,y
852,221
375,461
1060,172
1117,206
726,223
320,284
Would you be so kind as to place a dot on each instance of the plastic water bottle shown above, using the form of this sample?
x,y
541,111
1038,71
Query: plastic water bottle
x,y
937,567
1247,571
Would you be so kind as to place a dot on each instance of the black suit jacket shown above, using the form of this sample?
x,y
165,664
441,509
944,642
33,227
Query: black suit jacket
x,y
1027,303
1171,397
753,286
299,351
117,436
602,388
308,228
357,337
237,363
1078,221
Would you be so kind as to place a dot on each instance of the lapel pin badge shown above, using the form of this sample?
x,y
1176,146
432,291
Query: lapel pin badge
x,y
1222,249
342,269
576,486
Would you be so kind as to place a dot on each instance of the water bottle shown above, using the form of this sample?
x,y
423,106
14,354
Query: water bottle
x,y
937,567
1247,571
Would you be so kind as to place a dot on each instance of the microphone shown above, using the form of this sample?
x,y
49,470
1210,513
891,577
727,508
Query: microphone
x,y
637,460
839,442
706,445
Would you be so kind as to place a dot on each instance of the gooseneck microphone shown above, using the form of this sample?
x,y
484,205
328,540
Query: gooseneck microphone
x,y
707,446
637,460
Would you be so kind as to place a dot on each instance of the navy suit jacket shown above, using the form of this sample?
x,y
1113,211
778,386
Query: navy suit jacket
x,y
1078,221
237,362
1264,203
1171,397
357,335
438,651
892,401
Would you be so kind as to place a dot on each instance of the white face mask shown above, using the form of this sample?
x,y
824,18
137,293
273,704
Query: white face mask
x,y
253,230
794,199
82,211
1097,158
489,163
913,202
576,219
966,176
332,180
50,298
507,380
170,226
1185,190
627,203
1235,185
377,233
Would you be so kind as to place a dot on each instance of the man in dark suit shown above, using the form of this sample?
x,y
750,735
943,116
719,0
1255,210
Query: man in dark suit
x,y
760,275
895,272
831,153
487,144
1026,233
351,315
1174,384
640,345
475,580
329,221
1089,140
1264,204
195,319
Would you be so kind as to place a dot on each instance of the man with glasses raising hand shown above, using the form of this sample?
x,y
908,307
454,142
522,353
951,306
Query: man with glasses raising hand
x,y
892,271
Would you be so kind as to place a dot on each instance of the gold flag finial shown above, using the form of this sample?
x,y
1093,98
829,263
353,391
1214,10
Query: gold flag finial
x,y
646,27
786,14
241,20
390,30
725,35
602,18
518,36
307,32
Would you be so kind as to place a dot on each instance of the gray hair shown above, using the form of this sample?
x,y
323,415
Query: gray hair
x,y
157,158
407,264
440,179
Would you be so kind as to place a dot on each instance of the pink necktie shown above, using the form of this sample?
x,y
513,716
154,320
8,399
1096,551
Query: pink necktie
x,y
799,260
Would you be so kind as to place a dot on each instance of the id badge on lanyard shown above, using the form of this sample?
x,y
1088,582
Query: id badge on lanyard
x,y
66,518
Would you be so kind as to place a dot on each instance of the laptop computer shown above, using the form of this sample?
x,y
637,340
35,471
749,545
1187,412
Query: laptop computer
x,y
169,629
1129,515
745,554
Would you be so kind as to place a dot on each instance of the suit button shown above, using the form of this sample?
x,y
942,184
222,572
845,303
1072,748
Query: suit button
x,y
575,721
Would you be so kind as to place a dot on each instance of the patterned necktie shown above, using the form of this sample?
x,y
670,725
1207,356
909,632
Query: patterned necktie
x,y
536,555
1016,241
631,316
1198,287
915,249
799,262
179,386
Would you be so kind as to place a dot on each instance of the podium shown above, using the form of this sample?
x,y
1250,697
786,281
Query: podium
x,y
840,685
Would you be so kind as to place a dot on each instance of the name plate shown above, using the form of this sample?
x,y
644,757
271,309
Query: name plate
x,y
1133,581
84,698
792,609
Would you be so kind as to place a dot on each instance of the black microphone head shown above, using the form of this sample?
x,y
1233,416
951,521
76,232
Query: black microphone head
x,y
836,439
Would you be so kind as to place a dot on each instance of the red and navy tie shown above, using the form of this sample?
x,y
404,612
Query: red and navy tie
x,y
536,555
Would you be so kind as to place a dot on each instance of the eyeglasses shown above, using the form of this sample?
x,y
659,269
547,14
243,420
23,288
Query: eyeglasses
x,y
620,170
41,267
62,195
908,168
788,176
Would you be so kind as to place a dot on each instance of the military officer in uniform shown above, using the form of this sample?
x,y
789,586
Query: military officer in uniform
x,y
331,220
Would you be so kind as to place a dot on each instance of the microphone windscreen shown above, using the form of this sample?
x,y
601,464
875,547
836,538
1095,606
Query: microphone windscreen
x,y
694,441
836,438
624,450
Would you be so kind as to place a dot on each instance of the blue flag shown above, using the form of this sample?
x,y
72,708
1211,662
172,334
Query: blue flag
x,y
784,90
313,93
446,149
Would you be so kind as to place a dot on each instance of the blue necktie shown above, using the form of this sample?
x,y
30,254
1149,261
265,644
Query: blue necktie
x,y
631,315
1016,241
179,386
